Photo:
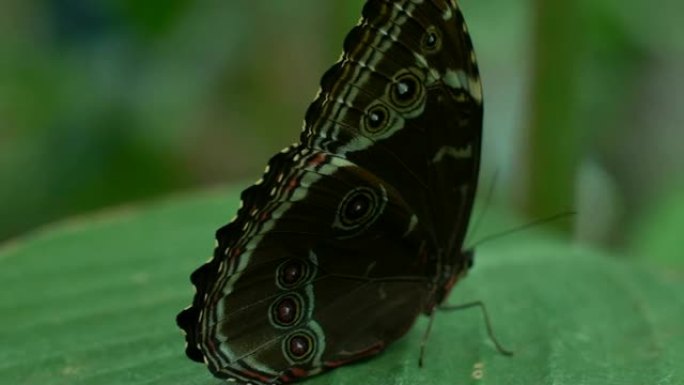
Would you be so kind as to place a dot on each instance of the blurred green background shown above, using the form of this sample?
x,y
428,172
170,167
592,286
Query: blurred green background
x,y
106,102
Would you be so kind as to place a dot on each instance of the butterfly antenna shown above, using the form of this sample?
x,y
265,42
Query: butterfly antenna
x,y
526,226
488,200
488,324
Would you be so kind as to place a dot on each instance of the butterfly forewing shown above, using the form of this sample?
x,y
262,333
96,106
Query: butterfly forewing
x,y
356,230
405,102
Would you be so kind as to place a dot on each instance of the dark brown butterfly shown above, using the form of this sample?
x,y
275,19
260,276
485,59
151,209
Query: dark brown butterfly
x,y
357,229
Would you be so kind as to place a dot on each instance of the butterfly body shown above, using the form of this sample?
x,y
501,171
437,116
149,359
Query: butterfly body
x,y
356,230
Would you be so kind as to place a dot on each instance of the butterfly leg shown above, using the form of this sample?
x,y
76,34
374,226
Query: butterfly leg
x,y
423,341
485,315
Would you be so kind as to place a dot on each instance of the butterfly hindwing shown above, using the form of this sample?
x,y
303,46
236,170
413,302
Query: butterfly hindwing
x,y
301,274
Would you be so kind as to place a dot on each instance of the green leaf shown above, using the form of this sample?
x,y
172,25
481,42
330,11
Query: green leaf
x,y
658,236
93,301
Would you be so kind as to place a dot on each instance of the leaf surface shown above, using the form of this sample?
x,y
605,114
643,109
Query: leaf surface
x,y
93,301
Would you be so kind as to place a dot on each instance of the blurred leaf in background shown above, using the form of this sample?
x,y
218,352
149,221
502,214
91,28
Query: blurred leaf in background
x,y
631,81
103,102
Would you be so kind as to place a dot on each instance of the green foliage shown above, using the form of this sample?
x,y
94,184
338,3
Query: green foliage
x,y
93,301
104,102
659,238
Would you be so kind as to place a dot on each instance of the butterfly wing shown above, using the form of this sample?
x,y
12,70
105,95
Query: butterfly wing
x,y
349,234
301,280
405,102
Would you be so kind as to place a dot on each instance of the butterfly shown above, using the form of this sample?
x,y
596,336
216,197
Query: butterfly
x,y
357,229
